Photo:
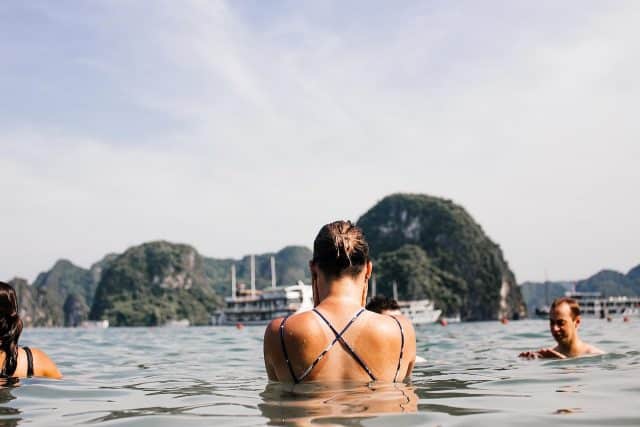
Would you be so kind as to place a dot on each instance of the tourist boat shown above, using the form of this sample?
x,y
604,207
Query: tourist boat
x,y
593,304
420,311
94,324
259,307
174,323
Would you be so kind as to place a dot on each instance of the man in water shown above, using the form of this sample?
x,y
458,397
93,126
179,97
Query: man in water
x,y
564,320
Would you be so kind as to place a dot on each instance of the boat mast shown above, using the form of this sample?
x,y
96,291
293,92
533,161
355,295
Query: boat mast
x,y
395,290
273,272
546,289
373,286
233,281
253,274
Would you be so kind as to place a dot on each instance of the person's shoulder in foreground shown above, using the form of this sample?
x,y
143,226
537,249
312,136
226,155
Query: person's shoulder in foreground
x,y
564,322
388,306
18,361
339,340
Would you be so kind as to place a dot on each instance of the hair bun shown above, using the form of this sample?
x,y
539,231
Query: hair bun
x,y
340,248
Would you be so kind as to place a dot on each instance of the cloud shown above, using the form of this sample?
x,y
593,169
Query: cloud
x,y
241,128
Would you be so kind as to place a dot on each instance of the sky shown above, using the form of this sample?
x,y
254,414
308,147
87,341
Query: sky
x,y
243,126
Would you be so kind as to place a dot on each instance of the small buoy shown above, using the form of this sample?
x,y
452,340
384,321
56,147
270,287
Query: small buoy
x,y
239,325
504,320
625,319
443,322
609,318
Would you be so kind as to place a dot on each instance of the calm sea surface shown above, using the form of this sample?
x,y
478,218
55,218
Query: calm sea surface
x,y
215,376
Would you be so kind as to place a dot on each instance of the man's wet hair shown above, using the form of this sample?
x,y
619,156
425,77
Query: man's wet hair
x,y
381,303
572,303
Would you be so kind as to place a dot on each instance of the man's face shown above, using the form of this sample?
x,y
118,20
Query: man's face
x,y
562,326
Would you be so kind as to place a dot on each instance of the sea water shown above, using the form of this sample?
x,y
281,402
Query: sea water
x,y
202,376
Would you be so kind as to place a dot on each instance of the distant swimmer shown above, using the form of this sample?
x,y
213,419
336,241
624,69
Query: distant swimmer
x,y
564,321
19,362
385,305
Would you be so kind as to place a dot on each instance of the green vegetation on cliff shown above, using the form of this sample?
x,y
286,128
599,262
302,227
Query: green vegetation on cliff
x,y
460,266
611,283
607,282
59,283
152,284
418,278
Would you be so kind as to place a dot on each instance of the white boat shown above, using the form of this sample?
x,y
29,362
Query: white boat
x,y
420,311
260,307
94,324
182,323
593,304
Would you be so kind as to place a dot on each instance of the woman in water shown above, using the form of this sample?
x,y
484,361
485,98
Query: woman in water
x,y
339,340
19,361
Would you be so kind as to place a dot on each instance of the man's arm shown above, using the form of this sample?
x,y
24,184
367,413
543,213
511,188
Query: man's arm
x,y
543,353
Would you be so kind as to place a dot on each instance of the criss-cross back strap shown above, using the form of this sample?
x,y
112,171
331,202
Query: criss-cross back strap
x,y
395,377
344,342
284,350
338,337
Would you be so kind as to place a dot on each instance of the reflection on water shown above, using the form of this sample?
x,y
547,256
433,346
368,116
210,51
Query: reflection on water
x,y
304,404
215,376
9,416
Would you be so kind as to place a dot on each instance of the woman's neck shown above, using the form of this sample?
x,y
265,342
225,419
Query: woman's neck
x,y
343,291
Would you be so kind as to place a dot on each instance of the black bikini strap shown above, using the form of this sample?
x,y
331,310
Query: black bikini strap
x,y
338,336
401,347
27,350
284,351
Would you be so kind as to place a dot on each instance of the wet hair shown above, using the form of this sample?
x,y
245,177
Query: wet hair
x,y
340,249
381,303
10,328
572,303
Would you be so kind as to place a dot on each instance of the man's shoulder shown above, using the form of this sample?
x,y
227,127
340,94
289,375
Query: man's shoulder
x,y
593,350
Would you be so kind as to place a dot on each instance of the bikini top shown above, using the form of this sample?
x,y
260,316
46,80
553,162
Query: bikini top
x,y
338,337
27,350
29,354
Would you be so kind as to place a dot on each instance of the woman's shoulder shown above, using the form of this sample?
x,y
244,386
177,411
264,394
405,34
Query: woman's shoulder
x,y
42,364
294,327
385,324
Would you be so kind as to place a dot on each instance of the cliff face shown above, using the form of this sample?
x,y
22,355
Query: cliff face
x,y
154,283
612,283
461,265
57,284
147,285
33,305
634,275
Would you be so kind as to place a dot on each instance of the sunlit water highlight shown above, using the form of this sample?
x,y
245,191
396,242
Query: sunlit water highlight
x,y
207,376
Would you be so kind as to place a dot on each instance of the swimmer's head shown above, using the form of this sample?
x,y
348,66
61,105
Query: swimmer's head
x,y
564,320
340,249
10,328
383,305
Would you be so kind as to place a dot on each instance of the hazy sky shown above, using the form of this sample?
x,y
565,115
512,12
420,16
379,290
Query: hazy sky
x,y
243,126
